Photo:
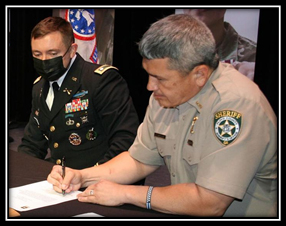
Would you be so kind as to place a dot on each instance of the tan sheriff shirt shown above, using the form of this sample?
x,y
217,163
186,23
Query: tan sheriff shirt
x,y
223,139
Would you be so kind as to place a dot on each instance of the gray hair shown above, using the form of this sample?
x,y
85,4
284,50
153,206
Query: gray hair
x,y
184,40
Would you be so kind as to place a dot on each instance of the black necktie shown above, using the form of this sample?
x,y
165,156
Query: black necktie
x,y
55,87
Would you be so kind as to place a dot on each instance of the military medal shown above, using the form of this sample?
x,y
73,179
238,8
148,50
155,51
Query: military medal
x,y
91,134
75,139
76,105
84,119
69,122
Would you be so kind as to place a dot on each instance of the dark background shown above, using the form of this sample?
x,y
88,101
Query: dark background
x,y
130,24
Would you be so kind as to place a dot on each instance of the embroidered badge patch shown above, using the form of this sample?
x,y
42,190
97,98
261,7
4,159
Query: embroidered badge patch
x,y
227,125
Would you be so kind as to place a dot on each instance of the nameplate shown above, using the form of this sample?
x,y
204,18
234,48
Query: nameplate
x,y
160,135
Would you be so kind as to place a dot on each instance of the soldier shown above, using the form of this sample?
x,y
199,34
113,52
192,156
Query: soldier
x,y
89,118
231,47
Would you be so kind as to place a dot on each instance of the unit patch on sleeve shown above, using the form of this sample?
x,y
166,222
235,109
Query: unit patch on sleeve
x,y
227,125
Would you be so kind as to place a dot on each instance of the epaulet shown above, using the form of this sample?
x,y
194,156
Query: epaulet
x,y
103,69
37,79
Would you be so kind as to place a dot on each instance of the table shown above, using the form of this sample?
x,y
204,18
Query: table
x,y
24,169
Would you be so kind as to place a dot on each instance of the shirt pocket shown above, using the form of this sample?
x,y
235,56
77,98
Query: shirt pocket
x,y
191,151
165,148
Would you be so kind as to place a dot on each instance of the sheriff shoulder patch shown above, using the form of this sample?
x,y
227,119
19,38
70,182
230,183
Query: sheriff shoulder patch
x,y
103,69
37,79
227,125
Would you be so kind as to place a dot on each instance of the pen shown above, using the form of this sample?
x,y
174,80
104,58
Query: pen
x,y
63,171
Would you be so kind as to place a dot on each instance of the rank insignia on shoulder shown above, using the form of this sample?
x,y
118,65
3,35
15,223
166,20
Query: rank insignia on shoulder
x,y
227,125
37,79
104,68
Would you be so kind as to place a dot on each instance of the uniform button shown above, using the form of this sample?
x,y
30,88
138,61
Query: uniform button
x,y
173,175
58,162
52,128
77,125
174,146
56,145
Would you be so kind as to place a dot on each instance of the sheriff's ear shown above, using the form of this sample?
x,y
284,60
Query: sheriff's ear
x,y
202,73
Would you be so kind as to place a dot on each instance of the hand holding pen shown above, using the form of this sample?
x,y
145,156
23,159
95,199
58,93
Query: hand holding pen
x,y
65,179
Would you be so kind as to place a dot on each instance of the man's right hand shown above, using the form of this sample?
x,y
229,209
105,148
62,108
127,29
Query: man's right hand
x,y
71,182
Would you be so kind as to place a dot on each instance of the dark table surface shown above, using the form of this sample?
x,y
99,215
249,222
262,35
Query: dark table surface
x,y
24,169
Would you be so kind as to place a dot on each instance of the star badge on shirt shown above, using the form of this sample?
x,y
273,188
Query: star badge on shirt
x,y
227,125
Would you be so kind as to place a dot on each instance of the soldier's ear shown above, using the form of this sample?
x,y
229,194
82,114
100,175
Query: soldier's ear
x,y
73,47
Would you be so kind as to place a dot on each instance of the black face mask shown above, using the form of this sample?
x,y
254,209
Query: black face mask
x,y
51,69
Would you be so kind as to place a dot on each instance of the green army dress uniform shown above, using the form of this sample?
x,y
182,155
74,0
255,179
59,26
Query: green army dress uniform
x,y
92,118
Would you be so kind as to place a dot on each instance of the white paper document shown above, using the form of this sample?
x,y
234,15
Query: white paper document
x,y
37,195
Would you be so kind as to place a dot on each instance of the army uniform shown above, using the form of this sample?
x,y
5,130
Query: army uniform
x,y
92,118
236,48
223,139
